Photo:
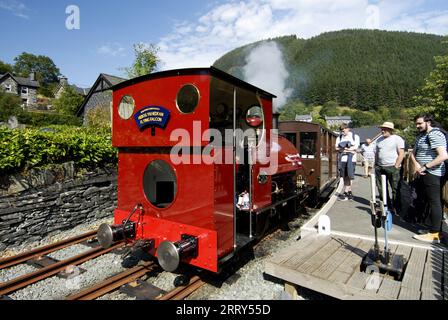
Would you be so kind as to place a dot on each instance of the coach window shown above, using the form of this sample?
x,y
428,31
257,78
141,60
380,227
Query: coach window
x,y
187,98
126,107
308,144
160,184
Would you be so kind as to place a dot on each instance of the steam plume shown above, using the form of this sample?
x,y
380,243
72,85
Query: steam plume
x,y
265,69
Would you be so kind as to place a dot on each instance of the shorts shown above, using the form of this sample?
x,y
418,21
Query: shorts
x,y
369,163
347,169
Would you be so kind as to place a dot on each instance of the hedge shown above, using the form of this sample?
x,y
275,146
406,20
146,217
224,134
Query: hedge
x,y
21,150
38,119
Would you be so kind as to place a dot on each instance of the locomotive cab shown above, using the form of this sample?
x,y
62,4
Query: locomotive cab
x,y
199,170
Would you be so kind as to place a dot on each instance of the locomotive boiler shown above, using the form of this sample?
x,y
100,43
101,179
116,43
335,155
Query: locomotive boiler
x,y
201,173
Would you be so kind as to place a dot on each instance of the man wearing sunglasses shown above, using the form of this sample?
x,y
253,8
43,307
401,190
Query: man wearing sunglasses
x,y
389,156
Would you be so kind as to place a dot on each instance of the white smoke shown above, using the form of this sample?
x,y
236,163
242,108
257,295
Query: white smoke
x,y
266,70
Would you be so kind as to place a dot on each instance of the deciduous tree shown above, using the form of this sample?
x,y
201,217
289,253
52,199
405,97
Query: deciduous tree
x,y
146,60
5,67
44,68
69,101
433,97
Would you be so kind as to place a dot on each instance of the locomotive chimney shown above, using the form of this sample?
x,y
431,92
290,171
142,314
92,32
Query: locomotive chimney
x,y
275,120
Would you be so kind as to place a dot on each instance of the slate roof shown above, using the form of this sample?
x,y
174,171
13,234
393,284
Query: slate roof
x,y
367,132
103,83
304,117
339,118
82,91
26,82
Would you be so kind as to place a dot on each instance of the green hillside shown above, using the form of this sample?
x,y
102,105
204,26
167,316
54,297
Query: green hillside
x,y
364,69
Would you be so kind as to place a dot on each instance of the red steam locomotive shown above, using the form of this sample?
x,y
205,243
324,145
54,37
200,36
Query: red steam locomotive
x,y
201,173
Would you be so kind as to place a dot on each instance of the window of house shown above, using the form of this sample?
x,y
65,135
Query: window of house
x,y
8,88
24,90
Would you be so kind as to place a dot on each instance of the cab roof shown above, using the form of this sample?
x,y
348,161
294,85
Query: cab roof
x,y
212,71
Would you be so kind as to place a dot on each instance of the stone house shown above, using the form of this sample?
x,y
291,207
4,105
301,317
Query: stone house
x,y
337,121
63,82
100,95
25,88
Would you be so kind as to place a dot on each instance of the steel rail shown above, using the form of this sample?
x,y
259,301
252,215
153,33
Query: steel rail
x,y
182,292
18,259
113,283
38,275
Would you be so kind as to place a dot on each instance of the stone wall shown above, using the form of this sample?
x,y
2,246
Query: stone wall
x,y
45,202
12,83
32,98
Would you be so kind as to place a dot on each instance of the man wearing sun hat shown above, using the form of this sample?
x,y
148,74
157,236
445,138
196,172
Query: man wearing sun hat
x,y
389,156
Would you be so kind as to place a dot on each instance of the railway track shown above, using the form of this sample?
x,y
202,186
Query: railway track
x,y
53,269
114,282
182,292
21,258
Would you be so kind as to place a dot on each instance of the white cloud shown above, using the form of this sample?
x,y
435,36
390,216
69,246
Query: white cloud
x,y
16,7
114,50
227,26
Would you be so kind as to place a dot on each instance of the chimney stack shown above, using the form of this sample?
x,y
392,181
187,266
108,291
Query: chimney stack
x,y
32,76
275,120
63,80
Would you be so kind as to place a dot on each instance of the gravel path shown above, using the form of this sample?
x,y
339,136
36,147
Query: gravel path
x,y
69,252
14,272
55,288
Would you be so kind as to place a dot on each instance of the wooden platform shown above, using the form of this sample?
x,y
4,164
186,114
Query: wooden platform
x,y
331,265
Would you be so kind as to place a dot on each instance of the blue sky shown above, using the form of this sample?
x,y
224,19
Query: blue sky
x,y
189,33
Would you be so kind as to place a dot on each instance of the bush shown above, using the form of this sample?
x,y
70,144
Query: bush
x,y
21,150
37,119
9,106
69,101
99,117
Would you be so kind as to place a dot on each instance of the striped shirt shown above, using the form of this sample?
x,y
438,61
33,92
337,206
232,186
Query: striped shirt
x,y
425,150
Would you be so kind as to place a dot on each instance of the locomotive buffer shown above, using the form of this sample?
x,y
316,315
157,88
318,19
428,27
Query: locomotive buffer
x,y
376,260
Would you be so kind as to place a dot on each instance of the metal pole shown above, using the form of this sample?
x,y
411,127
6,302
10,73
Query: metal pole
x,y
376,247
250,141
386,244
234,169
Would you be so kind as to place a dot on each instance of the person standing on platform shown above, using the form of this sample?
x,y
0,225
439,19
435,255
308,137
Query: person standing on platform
x,y
429,154
368,152
346,145
389,156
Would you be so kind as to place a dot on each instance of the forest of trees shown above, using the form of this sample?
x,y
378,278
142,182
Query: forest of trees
x,y
361,69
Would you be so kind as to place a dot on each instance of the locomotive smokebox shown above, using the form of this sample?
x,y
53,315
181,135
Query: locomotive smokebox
x,y
170,254
107,235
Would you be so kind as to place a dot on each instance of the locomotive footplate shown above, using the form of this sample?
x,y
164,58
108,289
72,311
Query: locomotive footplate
x,y
374,262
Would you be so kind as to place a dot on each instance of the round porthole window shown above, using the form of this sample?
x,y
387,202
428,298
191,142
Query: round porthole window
x,y
160,184
187,98
126,107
